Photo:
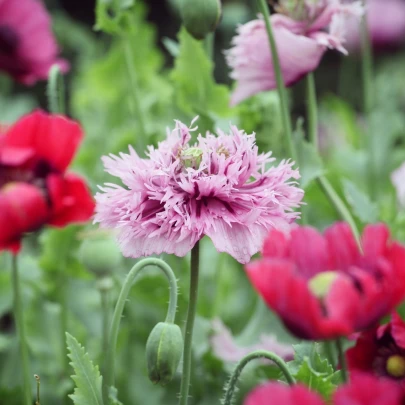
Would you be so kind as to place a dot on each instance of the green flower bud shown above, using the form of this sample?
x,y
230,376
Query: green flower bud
x,y
163,352
100,255
200,17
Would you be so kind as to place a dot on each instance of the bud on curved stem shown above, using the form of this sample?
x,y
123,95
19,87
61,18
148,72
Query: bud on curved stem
x,y
200,17
108,380
163,352
231,386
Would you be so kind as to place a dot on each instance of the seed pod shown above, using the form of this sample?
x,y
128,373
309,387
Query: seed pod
x,y
200,17
100,255
163,352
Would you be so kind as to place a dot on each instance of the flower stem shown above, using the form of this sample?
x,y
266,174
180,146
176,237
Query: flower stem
x,y
342,359
109,369
56,93
367,64
326,186
129,59
312,110
18,314
286,119
231,386
38,380
188,339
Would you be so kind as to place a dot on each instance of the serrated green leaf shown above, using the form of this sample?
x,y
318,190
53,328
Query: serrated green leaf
x,y
193,80
87,378
310,368
316,381
309,161
113,397
361,205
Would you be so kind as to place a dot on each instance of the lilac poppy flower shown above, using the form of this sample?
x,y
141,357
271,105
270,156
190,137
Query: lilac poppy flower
x,y
220,187
303,32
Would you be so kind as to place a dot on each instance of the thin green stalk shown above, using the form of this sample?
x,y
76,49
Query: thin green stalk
x,y
129,58
367,64
342,359
109,369
56,93
106,318
326,186
312,110
231,386
18,314
327,345
188,339
38,401
279,79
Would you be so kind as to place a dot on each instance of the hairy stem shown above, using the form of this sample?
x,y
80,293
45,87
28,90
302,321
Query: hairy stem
x,y
18,314
231,386
286,119
188,338
109,369
56,91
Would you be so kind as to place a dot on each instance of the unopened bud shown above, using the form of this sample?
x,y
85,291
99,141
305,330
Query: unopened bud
x,y
200,17
163,352
100,255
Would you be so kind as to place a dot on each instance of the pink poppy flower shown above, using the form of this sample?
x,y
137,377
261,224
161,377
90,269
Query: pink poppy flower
x,y
226,348
220,187
398,180
303,34
386,24
27,46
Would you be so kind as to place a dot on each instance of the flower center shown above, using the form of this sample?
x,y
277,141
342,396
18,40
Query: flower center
x,y
191,157
320,284
8,40
396,366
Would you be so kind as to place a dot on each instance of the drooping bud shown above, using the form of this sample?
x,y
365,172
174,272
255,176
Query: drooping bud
x,y
200,17
100,255
163,352
321,283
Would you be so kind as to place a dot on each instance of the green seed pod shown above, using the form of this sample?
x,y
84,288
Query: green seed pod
x,y
200,17
100,255
163,352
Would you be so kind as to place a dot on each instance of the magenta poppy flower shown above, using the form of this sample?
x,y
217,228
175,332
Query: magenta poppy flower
x,y
302,33
35,187
363,389
277,393
381,351
398,180
322,286
27,46
386,25
220,187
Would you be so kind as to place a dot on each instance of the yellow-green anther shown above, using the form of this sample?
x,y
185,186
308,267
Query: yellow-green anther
x,y
321,283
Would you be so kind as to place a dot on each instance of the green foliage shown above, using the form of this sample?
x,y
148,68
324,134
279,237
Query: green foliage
x,y
87,377
311,369
309,161
195,89
360,203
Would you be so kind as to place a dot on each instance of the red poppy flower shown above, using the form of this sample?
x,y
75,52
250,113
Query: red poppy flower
x,y
363,389
381,351
27,46
322,286
34,188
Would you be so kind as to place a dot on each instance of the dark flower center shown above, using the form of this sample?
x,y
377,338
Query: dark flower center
x,y
9,40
